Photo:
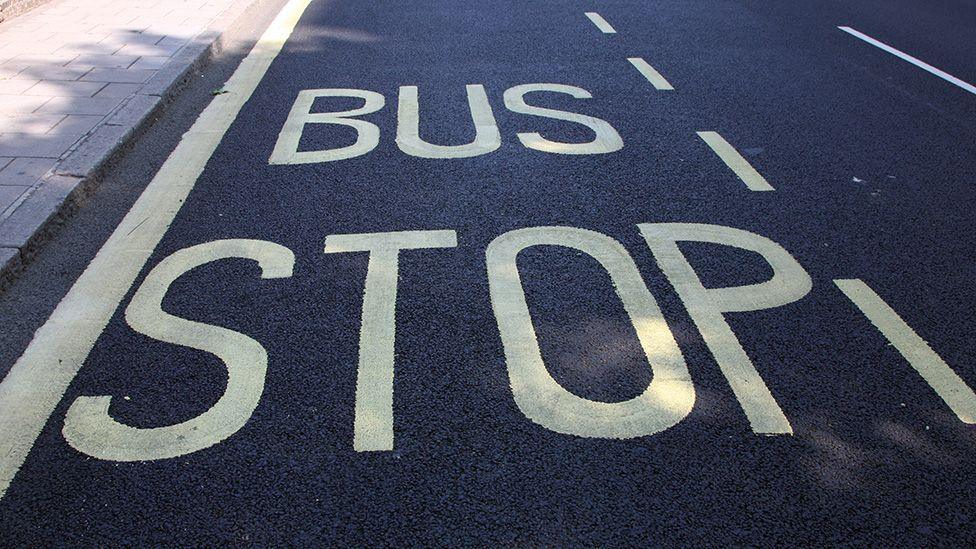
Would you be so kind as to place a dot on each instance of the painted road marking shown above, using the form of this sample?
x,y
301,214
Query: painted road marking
x,y
90,429
606,138
373,420
600,22
667,399
707,306
742,168
39,378
367,134
486,139
916,351
652,76
913,60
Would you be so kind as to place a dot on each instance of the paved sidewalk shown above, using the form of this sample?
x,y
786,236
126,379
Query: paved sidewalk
x,y
76,78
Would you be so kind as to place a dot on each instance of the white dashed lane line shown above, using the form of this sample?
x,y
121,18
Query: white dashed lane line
x,y
736,162
600,22
652,76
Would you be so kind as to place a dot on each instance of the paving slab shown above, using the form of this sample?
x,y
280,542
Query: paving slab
x,y
25,171
78,78
129,76
9,195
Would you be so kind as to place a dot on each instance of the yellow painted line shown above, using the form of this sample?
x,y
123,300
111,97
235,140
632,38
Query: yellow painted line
x,y
651,74
916,351
736,162
39,378
600,22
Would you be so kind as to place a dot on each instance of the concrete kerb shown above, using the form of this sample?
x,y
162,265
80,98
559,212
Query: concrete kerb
x,y
77,174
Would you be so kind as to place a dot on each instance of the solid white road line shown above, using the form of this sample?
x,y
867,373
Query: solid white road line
x,y
37,382
600,22
652,76
916,351
913,60
753,180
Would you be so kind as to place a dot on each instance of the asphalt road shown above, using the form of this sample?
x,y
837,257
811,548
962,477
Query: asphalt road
x,y
802,411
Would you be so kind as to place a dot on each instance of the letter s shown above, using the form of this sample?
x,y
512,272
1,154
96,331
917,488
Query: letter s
x,y
88,426
607,139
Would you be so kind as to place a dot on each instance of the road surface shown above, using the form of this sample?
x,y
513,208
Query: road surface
x,y
520,273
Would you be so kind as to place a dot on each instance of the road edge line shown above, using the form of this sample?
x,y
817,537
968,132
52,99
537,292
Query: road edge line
x,y
36,383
